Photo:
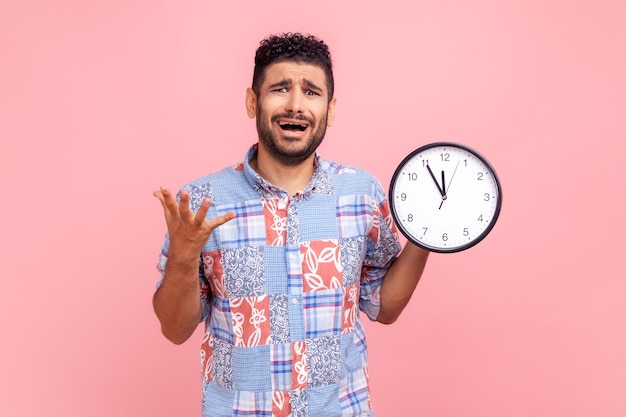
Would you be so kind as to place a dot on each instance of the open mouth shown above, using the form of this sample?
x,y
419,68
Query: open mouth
x,y
290,126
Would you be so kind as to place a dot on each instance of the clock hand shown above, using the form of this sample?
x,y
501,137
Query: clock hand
x,y
430,171
453,174
443,183
443,190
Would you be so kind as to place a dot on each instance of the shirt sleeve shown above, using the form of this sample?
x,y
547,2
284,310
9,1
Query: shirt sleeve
x,y
382,249
202,281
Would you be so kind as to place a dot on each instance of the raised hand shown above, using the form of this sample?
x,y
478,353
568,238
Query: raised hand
x,y
188,232
177,300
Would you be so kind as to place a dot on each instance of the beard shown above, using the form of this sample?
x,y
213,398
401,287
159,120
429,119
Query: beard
x,y
283,153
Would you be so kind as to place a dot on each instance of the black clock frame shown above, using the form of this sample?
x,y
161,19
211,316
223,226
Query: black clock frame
x,y
408,235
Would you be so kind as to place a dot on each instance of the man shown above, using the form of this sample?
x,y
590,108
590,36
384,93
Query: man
x,y
280,253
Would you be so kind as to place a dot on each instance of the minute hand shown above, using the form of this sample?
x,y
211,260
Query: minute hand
x,y
430,171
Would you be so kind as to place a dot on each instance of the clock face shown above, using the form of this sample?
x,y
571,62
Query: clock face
x,y
445,197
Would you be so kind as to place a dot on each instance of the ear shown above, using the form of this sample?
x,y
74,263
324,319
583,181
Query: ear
x,y
331,111
251,103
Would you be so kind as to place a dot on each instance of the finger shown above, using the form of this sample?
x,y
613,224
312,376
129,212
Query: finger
x,y
183,205
159,195
218,221
168,199
202,212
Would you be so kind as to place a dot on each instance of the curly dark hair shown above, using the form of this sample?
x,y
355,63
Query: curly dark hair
x,y
296,47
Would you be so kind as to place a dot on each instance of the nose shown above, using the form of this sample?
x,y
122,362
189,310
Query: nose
x,y
295,102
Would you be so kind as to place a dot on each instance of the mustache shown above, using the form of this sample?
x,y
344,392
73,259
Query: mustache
x,y
293,116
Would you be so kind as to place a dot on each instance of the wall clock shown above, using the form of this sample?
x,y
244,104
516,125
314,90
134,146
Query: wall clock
x,y
445,197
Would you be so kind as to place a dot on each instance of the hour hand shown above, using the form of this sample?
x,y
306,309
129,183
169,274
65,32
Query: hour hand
x,y
443,184
430,171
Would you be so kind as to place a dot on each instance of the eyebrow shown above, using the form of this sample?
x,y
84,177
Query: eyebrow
x,y
287,82
312,86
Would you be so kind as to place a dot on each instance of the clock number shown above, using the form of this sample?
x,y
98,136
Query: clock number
x,y
480,176
487,197
445,157
465,232
444,237
425,230
480,218
403,196
424,163
412,176
409,218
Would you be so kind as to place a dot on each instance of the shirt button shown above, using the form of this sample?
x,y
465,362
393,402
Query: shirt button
x,y
291,256
294,300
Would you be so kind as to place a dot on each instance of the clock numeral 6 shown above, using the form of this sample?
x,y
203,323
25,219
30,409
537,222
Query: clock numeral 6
x,y
444,237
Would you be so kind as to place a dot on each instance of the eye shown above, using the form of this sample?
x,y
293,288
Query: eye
x,y
311,93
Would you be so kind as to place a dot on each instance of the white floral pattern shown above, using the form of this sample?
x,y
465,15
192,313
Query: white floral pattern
x,y
300,371
323,361
279,318
322,266
251,325
222,372
352,254
276,220
243,272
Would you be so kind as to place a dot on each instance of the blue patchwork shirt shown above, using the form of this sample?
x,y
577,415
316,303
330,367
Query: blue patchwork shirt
x,y
283,286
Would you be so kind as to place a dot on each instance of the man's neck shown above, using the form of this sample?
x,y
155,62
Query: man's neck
x,y
290,178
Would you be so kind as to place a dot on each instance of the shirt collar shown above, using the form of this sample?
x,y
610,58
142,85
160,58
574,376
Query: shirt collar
x,y
268,190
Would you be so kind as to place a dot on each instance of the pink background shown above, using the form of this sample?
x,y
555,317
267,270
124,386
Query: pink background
x,y
103,101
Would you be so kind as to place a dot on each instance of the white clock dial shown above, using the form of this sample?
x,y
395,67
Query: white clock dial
x,y
445,197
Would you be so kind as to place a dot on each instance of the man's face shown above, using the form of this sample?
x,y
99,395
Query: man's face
x,y
292,111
